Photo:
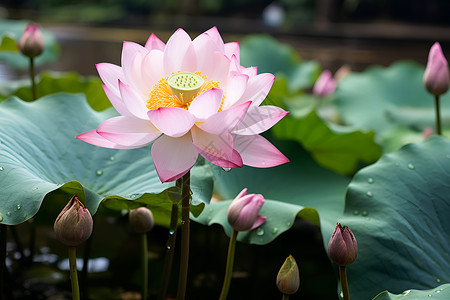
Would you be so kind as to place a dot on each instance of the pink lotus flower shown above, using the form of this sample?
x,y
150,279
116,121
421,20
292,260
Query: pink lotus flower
x,y
325,85
243,211
188,97
31,42
436,76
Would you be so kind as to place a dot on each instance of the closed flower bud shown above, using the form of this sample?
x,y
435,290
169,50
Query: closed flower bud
x,y
342,247
74,223
31,42
141,219
288,279
436,76
325,85
243,211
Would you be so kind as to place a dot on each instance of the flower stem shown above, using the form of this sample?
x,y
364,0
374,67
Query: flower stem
x,y
170,250
344,284
184,260
3,229
438,116
229,267
73,273
33,83
144,257
285,297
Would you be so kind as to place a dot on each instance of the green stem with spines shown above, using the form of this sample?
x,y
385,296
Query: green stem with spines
x,y
144,259
73,273
344,284
184,259
229,267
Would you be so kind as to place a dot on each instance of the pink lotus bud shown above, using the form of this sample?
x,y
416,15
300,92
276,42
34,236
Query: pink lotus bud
x,y
436,77
141,219
74,223
243,211
325,85
31,42
342,247
288,278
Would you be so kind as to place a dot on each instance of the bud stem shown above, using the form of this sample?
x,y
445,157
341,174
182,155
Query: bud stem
x,y
33,83
184,259
229,267
73,273
438,115
144,257
344,284
168,260
285,297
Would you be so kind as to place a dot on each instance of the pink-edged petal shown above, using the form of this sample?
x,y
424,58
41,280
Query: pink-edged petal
x,y
220,70
110,75
206,103
132,58
216,37
259,119
154,42
152,68
251,71
258,152
226,120
236,87
189,63
116,101
235,67
257,89
172,121
231,49
92,137
259,221
133,101
176,48
128,131
218,149
173,157
205,49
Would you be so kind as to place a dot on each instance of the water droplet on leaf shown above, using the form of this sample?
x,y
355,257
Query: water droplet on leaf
x,y
112,158
274,230
370,180
226,169
369,194
259,231
1,168
8,213
35,189
19,206
356,212
171,232
364,213
99,172
438,280
411,166
1,219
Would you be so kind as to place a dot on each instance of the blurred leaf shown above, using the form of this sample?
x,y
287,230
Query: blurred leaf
x,y
441,292
71,82
337,148
297,188
40,159
385,98
13,29
304,75
398,209
8,44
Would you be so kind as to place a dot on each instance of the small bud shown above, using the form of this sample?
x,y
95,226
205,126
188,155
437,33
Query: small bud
x,y
342,247
436,76
141,219
243,211
325,85
31,42
74,223
288,279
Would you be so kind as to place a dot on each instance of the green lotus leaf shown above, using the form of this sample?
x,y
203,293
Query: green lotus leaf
x,y
384,97
52,82
40,159
299,188
441,292
398,209
335,147
12,30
